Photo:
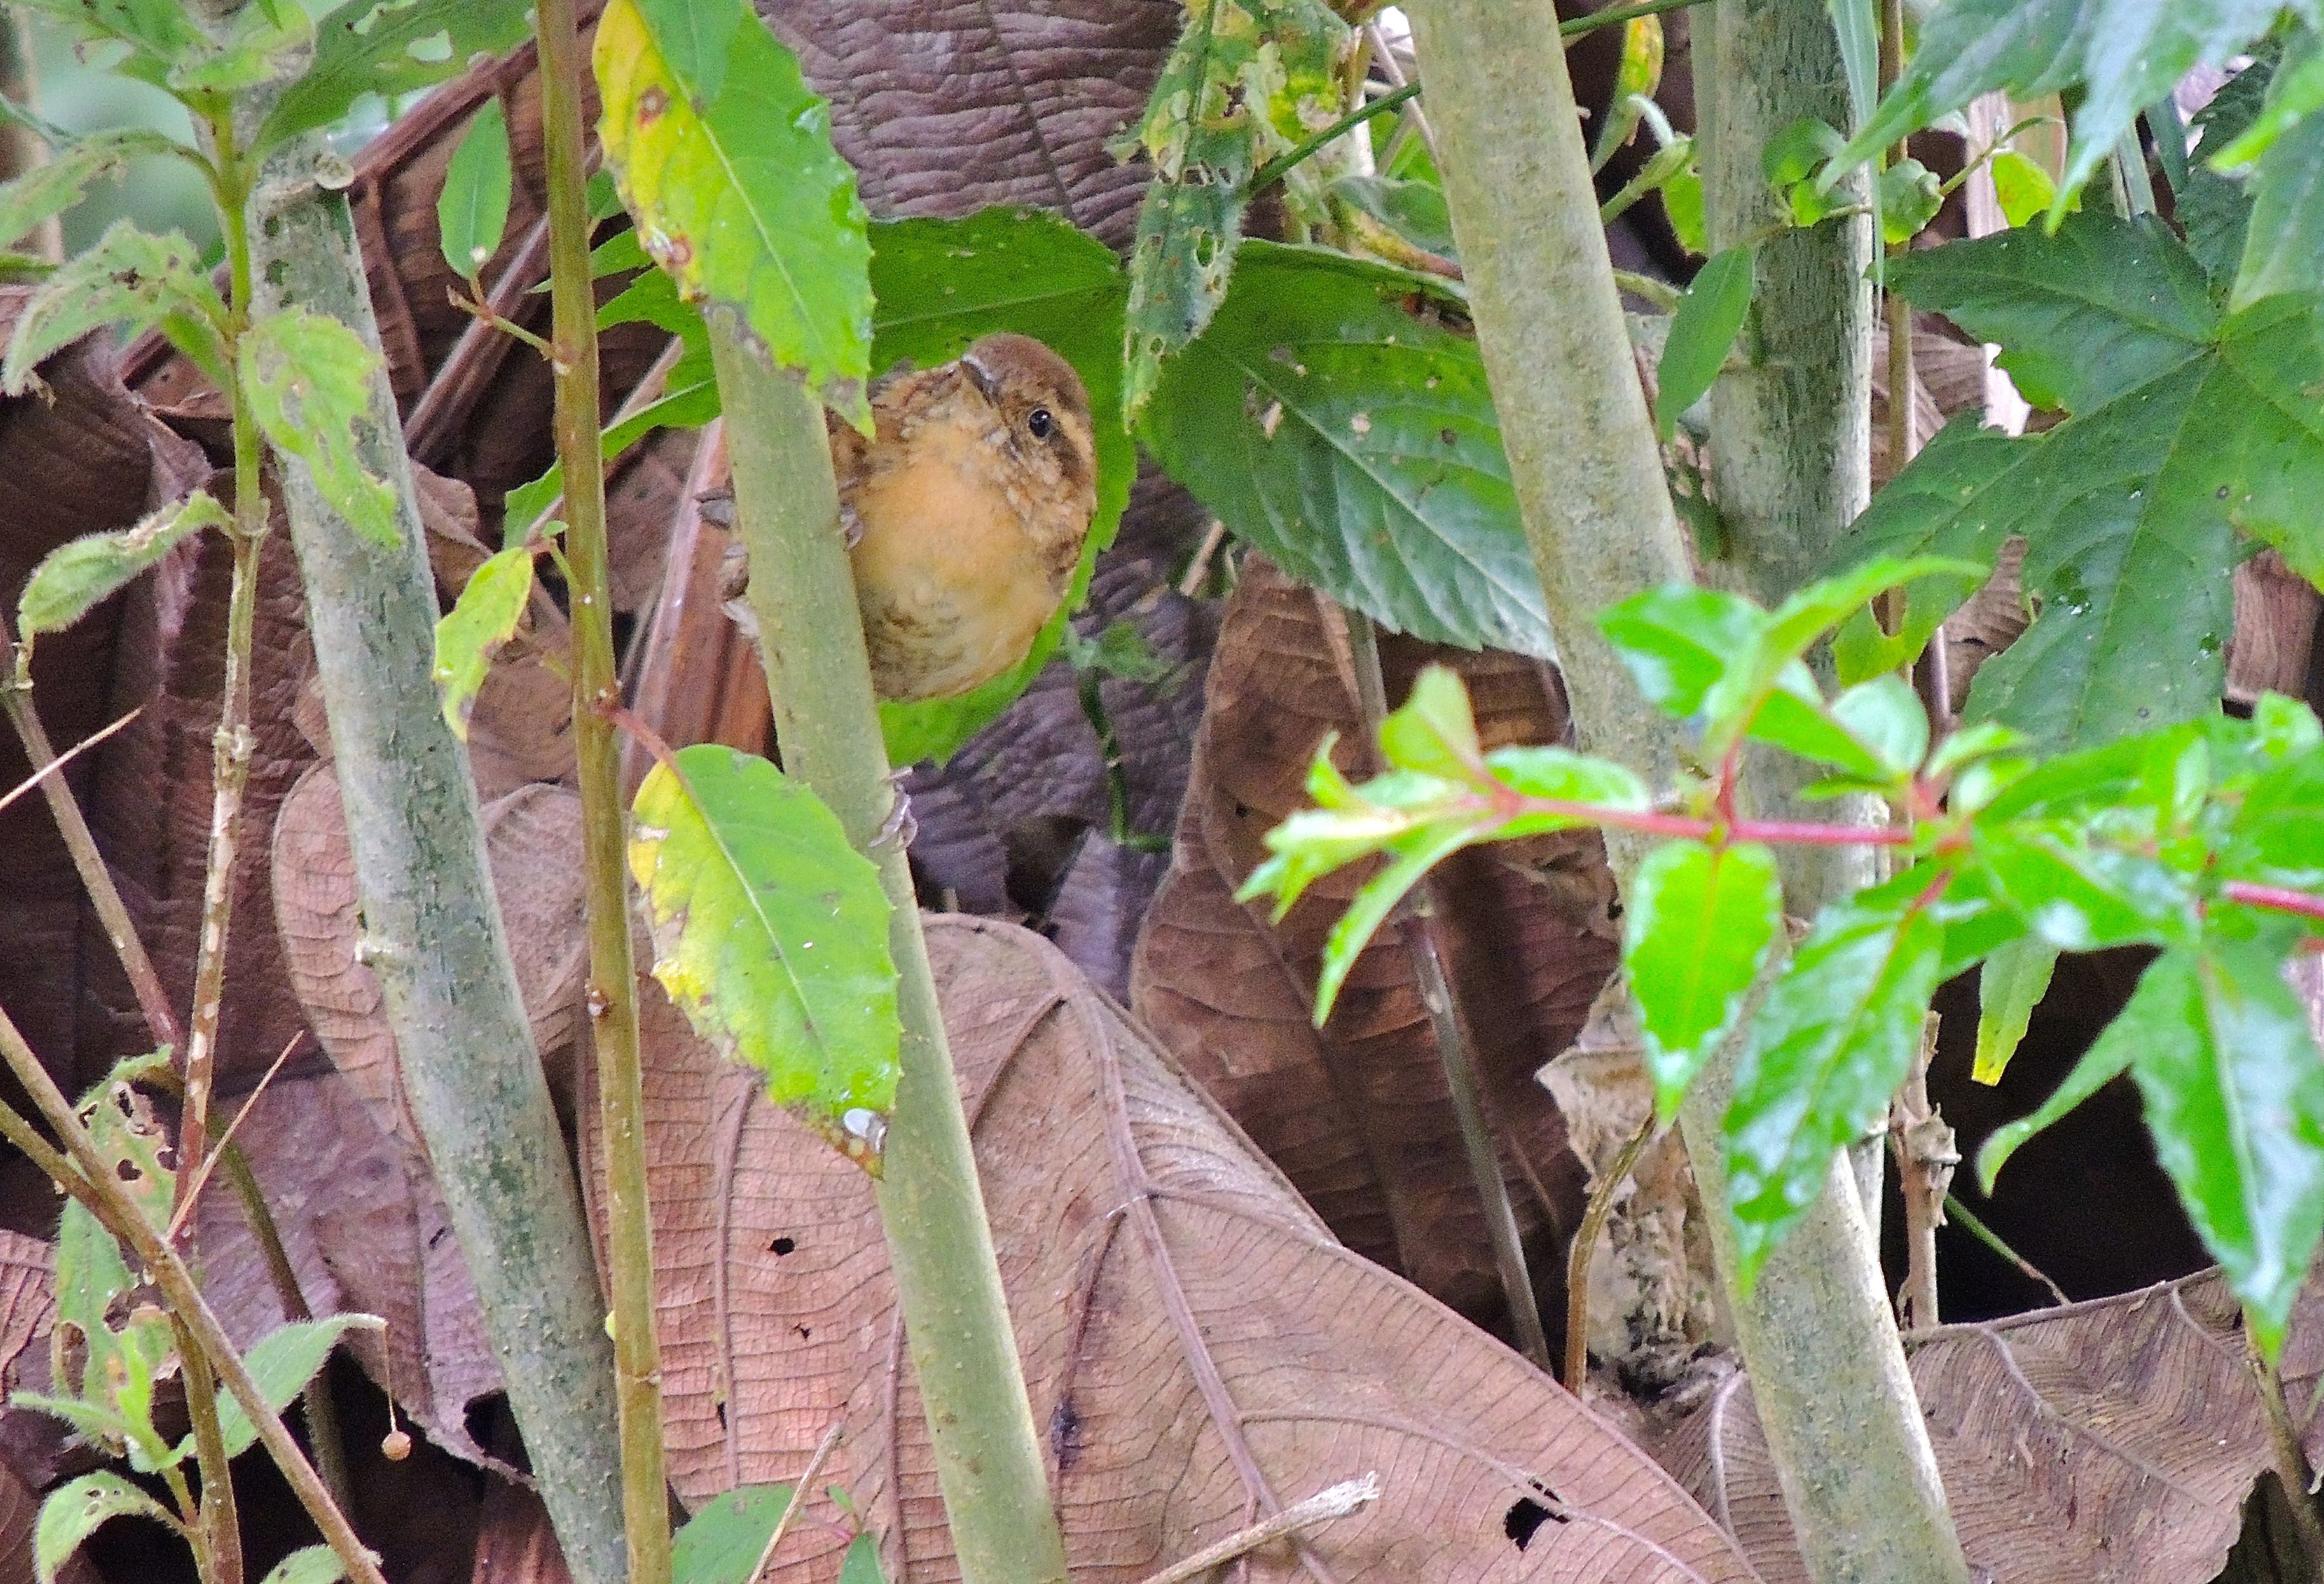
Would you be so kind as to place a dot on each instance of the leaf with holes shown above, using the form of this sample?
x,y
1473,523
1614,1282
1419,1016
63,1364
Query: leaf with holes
x,y
473,209
772,933
310,1564
390,48
159,33
724,155
133,279
1247,80
1355,442
307,379
468,635
940,285
74,1511
72,578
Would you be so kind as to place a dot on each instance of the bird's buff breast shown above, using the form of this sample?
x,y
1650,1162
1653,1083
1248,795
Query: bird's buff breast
x,y
952,588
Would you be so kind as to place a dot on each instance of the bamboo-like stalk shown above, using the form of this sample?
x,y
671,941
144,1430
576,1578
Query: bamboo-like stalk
x,y
431,925
1827,1369
88,1177
988,1455
613,979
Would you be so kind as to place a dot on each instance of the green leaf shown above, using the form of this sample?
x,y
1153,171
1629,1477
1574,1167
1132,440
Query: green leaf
x,y
117,1364
73,1512
1888,717
131,279
160,33
1568,777
1414,211
725,157
307,378
2293,92
72,578
1678,641
263,44
1357,446
2124,55
772,933
940,285
1698,924
861,1565
2010,987
311,1564
390,48
722,1542
1682,204
2215,209
1433,732
472,211
1408,862
1636,77
1247,81
2023,187
1907,196
2080,896
2235,1098
468,635
1834,1038
1709,318
1858,24
2107,1059
2187,430
57,186
282,1363
2283,247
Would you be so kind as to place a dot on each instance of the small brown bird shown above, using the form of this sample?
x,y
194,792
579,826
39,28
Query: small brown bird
x,y
965,512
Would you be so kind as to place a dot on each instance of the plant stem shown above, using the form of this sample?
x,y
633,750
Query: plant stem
x,y
613,977
1956,1212
1616,15
1453,1049
1585,1249
1816,1331
322,1414
431,925
217,1517
2292,1470
90,1179
2275,898
1273,171
234,745
1925,1159
988,1456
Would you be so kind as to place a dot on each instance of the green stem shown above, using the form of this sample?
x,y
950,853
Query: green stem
x,y
988,1456
1852,1450
1585,1249
218,1520
1615,17
432,924
92,1180
1274,171
1956,1212
612,978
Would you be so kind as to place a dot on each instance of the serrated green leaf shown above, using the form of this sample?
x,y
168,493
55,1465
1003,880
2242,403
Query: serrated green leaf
x,y
131,279
1698,924
1566,776
1410,861
117,1365
485,617
1907,196
161,32
1709,318
391,48
283,1362
722,1544
1827,1047
940,285
472,211
2080,896
75,576
2234,1099
2123,53
1357,446
2283,245
57,186
2294,91
263,44
1247,80
132,1138
311,1564
307,378
2187,429
75,1510
2009,985
770,933
2215,210
725,157
2023,187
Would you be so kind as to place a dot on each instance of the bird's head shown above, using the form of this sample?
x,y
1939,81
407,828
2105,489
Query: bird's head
x,y
1044,410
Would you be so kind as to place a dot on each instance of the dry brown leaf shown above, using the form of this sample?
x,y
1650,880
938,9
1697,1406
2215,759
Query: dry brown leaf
x,y
1357,1114
2113,1442
514,1542
1196,1346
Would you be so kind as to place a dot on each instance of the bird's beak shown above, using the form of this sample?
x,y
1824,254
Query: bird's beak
x,y
984,378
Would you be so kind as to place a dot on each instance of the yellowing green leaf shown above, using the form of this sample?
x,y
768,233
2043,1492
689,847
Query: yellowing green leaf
x,y
770,933
2023,186
307,379
725,157
484,618
2010,987
72,578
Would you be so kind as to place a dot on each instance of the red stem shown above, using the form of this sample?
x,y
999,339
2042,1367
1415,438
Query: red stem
x,y
2278,898
1777,832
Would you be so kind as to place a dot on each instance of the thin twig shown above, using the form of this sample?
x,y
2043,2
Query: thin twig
x,y
799,1493
1274,169
189,1193
1585,1248
643,395
1925,1159
1413,112
1199,568
1958,1212
1453,1046
1575,27
44,771
1336,1502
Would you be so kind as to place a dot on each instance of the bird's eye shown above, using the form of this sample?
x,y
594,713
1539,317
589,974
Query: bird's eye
x,y
1040,423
